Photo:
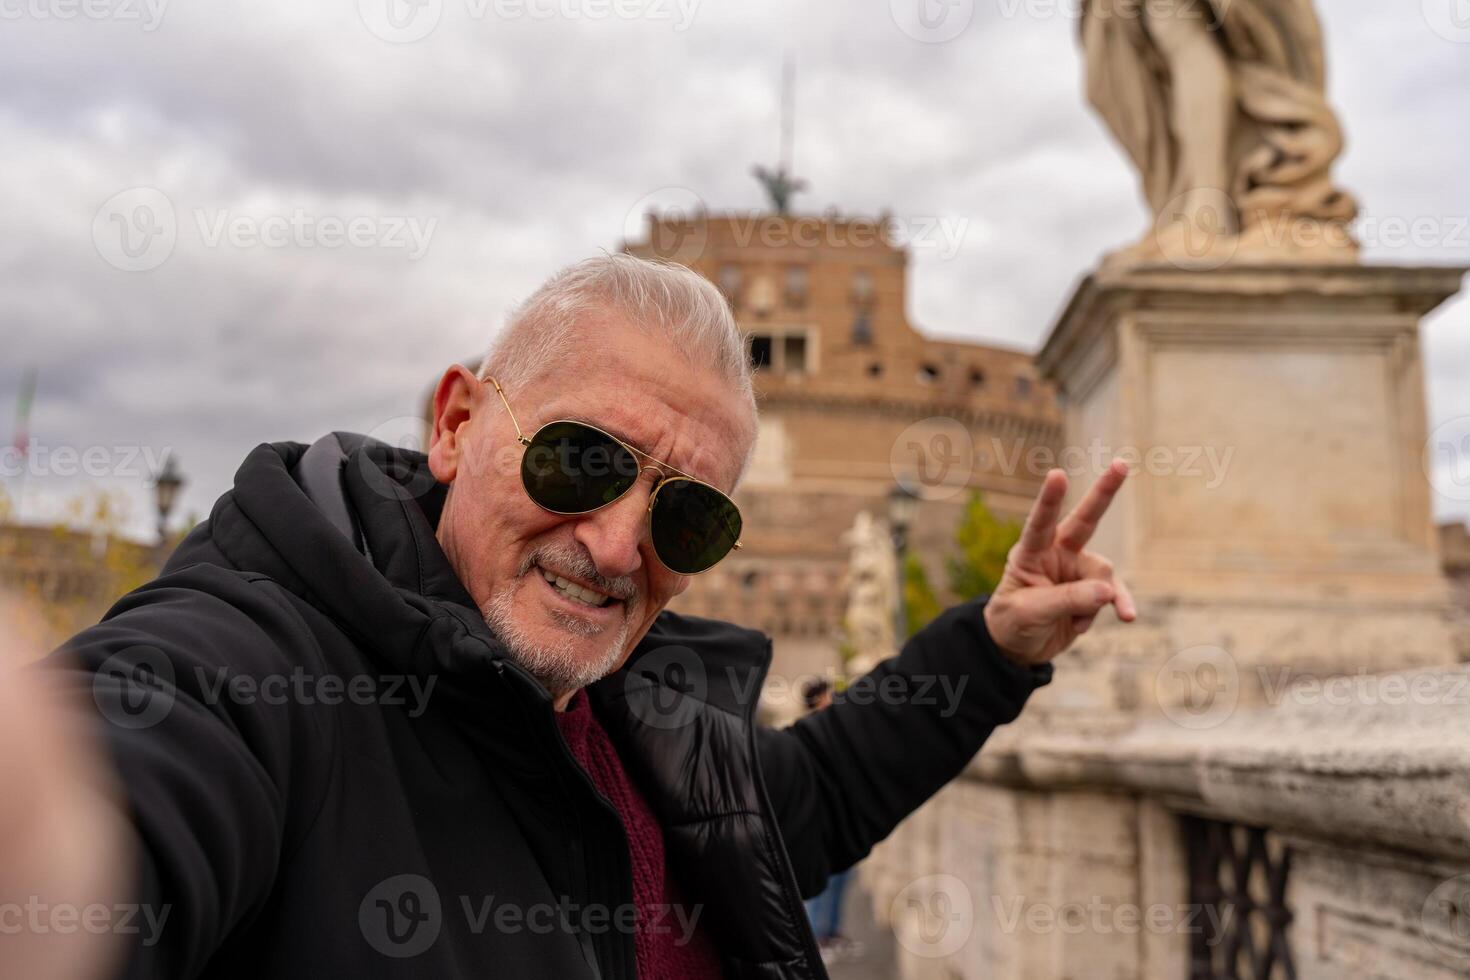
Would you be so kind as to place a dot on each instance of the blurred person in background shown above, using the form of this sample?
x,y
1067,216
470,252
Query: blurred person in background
x,y
388,714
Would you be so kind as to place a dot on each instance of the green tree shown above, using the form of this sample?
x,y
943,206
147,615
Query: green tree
x,y
920,604
983,542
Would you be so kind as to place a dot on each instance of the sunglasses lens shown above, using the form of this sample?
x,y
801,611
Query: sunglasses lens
x,y
573,469
694,526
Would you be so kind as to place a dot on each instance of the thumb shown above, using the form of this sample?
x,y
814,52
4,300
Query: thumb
x,y
1050,603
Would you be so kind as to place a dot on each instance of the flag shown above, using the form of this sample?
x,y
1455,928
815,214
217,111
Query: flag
x,y
23,414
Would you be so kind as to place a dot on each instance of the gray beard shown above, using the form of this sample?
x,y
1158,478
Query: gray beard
x,y
555,665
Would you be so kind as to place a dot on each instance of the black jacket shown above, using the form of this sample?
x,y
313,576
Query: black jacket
x,y
334,772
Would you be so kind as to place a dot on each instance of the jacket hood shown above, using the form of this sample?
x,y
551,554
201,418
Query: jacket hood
x,y
347,524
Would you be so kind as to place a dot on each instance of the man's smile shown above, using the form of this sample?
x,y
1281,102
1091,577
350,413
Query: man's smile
x,y
579,596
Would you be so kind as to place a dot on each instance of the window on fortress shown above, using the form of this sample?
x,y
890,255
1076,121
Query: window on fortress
x,y
928,374
730,282
795,353
875,370
781,352
862,330
760,351
977,378
1023,386
862,288
796,283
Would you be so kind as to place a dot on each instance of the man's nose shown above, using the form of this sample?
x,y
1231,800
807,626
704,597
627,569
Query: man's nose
x,y
614,535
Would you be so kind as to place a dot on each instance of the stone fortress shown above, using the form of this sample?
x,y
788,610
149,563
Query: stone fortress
x,y
852,399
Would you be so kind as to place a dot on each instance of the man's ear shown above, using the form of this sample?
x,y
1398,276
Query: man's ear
x,y
456,400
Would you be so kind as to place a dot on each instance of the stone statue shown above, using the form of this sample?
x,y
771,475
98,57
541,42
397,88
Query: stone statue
x,y
1220,104
872,593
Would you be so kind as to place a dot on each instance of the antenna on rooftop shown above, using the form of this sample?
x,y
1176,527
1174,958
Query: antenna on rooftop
x,y
781,183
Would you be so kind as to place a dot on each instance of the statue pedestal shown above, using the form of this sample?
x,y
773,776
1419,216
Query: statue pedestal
x,y
1277,523
1277,535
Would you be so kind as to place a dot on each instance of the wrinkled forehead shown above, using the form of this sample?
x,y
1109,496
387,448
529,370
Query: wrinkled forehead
x,y
652,396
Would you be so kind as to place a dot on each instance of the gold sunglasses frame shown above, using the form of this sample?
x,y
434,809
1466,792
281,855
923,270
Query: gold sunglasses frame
x,y
664,478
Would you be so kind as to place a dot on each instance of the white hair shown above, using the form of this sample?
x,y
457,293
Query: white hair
x,y
660,298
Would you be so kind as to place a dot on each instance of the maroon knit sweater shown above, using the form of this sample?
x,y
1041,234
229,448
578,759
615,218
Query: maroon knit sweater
x,y
664,952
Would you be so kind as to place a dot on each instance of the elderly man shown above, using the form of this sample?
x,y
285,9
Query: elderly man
x,y
395,715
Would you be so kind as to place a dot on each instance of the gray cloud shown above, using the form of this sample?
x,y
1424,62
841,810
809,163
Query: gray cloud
x,y
527,142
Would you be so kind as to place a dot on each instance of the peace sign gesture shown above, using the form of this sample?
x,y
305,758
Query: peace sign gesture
x,y
1052,588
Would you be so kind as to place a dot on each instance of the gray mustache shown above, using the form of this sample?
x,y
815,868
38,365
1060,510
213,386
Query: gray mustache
x,y
577,562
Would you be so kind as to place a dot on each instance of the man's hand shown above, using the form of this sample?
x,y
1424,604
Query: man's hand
x,y
1051,588
62,843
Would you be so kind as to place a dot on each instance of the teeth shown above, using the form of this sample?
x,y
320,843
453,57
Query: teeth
x,y
574,591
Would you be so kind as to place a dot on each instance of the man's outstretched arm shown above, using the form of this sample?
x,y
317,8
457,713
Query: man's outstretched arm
x,y
841,779
204,782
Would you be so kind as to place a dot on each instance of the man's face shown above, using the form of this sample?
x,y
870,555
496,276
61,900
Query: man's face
x,y
504,547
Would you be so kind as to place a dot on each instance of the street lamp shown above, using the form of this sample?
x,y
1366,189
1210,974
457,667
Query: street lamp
x,y
903,507
166,486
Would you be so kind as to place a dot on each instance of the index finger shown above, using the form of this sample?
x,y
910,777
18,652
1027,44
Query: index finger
x,y
1041,523
1075,531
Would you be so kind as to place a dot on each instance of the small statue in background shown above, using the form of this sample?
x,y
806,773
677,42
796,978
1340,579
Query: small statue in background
x,y
872,594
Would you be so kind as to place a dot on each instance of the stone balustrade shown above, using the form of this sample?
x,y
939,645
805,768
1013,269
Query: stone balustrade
x,y
1068,855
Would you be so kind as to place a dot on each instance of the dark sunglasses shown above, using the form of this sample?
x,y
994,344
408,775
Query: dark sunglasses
x,y
574,468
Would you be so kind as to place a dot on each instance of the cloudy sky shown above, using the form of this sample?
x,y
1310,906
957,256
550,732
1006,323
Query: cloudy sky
x,y
349,194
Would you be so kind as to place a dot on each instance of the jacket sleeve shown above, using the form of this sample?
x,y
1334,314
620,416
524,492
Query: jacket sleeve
x,y
842,778
210,774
